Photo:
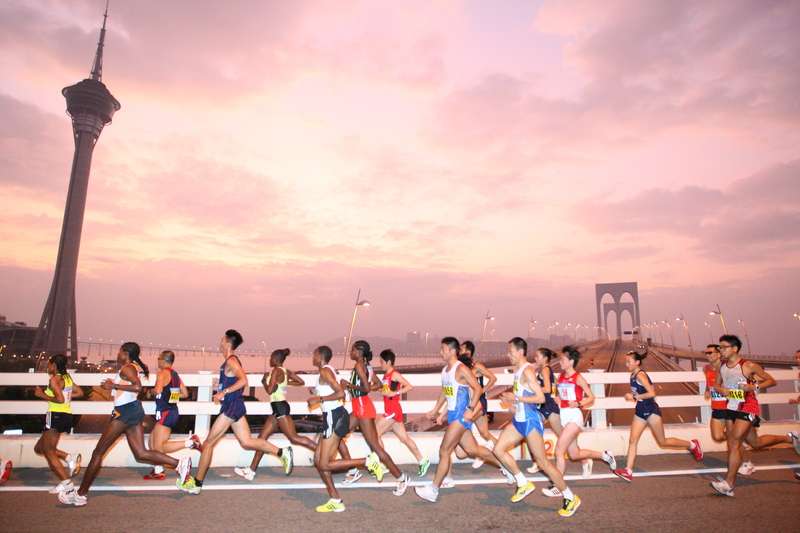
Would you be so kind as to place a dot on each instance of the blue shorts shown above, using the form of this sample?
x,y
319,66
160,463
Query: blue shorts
x,y
645,410
130,414
524,428
168,418
458,416
234,409
549,407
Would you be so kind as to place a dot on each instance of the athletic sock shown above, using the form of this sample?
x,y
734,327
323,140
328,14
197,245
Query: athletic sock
x,y
158,469
568,494
692,445
520,477
68,458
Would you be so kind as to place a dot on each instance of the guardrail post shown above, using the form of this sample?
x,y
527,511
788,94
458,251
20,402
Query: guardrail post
x,y
599,391
202,423
797,389
705,411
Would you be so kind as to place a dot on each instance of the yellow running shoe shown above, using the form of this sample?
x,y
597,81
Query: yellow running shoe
x,y
375,467
569,507
523,491
331,506
188,486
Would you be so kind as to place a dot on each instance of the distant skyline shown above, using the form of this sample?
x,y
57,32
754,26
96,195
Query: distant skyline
x,y
273,157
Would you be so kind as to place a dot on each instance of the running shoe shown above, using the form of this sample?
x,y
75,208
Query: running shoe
x,y
746,468
154,476
64,486
509,476
797,475
287,459
402,485
722,487
331,506
189,486
477,463
74,464
5,470
375,467
552,492
352,476
523,491
427,492
447,483
424,465
586,466
608,457
696,450
624,473
569,507
184,469
245,472
193,443
532,469
72,498
795,441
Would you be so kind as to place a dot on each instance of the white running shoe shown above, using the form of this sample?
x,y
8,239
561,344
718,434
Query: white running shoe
x,y
72,498
402,485
747,468
427,492
795,441
722,487
551,492
65,485
587,465
477,463
74,464
184,469
608,457
447,483
353,475
509,476
532,469
245,472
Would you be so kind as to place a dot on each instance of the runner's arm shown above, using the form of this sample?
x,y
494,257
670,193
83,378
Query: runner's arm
x,y
184,391
763,380
644,379
271,384
294,379
405,386
472,382
533,383
588,397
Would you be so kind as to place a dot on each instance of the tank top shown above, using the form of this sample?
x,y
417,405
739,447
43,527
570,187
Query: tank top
x,y
323,389
280,391
568,389
548,393
66,407
718,401
738,399
228,381
390,403
524,411
457,395
123,397
638,388
170,395
356,382
480,382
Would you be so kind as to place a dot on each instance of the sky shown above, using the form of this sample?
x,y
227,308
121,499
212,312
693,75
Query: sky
x,y
447,158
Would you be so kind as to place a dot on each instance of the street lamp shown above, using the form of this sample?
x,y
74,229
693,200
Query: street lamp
x,y
671,333
488,318
718,312
686,327
359,303
532,327
796,316
746,337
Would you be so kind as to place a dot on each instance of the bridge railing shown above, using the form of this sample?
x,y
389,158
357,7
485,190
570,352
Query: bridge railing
x,y
203,408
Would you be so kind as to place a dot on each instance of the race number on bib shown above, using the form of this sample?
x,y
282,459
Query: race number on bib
x,y
736,394
448,391
174,394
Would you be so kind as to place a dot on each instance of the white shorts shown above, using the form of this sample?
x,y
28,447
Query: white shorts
x,y
571,414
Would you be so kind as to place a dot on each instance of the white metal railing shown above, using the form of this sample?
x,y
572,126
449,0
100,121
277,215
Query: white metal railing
x,y
204,408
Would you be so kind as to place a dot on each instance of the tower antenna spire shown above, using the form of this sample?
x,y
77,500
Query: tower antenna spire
x,y
97,67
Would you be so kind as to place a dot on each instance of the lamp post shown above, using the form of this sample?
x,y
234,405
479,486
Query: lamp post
x,y
710,333
686,327
746,337
671,333
718,312
532,327
359,303
488,318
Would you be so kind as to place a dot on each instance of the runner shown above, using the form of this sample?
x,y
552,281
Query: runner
x,y
360,385
739,380
5,470
648,414
527,426
467,356
394,385
58,394
460,392
329,396
126,418
275,383
574,394
718,402
168,391
232,381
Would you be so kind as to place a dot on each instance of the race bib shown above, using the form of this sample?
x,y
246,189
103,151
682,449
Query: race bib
x,y
448,390
736,394
516,387
174,394
386,388
567,392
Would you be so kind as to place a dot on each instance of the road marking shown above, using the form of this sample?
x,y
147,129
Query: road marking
x,y
390,483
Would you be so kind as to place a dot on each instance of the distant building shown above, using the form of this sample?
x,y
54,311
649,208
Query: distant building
x,y
16,337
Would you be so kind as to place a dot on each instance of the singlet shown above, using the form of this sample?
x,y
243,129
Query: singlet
x,y
390,403
170,395
228,381
66,407
123,397
457,394
638,388
356,382
718,401
280,391
738,399
569,390
548,393
323,389
524,411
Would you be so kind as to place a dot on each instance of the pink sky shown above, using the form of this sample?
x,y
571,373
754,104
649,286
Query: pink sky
x,y
272,157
